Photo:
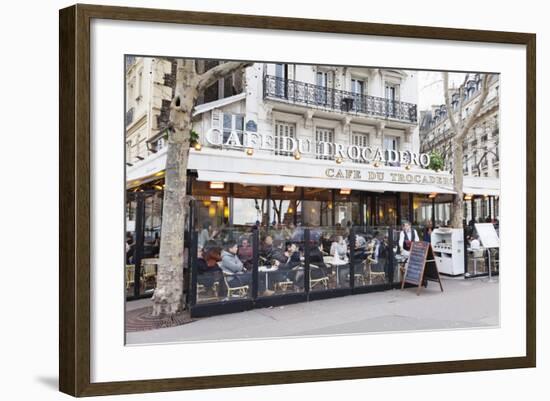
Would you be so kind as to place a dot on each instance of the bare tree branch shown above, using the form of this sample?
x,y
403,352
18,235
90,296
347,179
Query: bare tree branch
x,y
222,70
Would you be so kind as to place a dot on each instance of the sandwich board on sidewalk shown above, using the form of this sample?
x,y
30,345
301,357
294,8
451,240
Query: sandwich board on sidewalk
x,y
421,266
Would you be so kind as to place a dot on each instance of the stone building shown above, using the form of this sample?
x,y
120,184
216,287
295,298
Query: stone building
x,y
481,145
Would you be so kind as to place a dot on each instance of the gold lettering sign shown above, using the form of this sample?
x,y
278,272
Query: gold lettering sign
x,y
407,178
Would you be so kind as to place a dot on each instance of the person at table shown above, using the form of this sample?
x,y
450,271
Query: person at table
x,y
233,265
207,267
406,237
338,250
246,254
316,258
240,275
266,250
206,234
360,252
278,254
286,268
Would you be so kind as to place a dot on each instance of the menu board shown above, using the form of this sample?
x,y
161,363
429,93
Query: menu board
x,y
421,266
416,263
487,235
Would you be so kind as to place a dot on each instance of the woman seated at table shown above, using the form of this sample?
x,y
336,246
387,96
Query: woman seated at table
x,y
339,250
207,267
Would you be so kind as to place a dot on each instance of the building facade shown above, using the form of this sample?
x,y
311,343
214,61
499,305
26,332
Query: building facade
x,y
481,162
281,149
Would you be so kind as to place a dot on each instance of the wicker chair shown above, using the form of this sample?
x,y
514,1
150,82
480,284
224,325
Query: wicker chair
x,y
375,274
241,291
317,281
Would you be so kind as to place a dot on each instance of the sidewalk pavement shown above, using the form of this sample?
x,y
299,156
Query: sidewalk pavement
x,y
463,304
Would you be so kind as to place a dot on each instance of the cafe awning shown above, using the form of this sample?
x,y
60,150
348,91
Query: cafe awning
x,y
271,179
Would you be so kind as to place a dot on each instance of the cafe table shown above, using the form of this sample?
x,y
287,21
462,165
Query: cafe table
x,y
337,263
267,270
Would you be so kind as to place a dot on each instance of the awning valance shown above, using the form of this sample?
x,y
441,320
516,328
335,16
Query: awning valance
x,y
270,179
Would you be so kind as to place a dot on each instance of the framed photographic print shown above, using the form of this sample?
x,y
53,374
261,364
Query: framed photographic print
x,y
279,200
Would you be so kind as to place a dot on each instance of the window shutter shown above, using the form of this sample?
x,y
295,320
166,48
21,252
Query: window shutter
x,y
216,119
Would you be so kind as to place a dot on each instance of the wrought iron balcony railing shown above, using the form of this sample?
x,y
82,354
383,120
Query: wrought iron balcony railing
x,y
307,94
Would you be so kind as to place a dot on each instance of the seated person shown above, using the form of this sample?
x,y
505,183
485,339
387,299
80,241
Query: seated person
x,y
233,265
246,254
360,251
381,256
207,267
316,259
338,250
240,274
266,250
285,269
278,253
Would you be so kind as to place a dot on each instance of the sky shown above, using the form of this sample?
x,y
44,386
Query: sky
x,y
430,87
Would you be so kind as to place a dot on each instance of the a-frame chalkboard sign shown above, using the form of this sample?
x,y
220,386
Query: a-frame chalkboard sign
x,y
421,266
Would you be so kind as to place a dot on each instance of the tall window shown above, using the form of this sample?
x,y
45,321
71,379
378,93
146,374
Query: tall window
x,y
281,72
233,123
321,80
358,90
360,139
325,151
392,94
391,142
283,130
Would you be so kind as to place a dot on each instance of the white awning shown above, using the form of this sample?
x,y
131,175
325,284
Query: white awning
x,y
270,179
481,186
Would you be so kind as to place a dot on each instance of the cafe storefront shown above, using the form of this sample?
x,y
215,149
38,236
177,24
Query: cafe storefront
x,y
269,205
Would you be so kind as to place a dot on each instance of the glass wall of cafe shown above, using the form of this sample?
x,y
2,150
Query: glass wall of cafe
x,y
142,239
259,222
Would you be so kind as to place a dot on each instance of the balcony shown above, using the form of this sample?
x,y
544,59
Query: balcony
x,y
306,94
129,116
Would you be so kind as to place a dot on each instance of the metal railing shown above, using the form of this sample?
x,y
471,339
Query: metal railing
x,y
307,94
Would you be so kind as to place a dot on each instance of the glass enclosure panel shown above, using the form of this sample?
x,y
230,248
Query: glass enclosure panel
x,y
422,210
281,261
151,241
131,211
347,209
372,264
211,211
317,207
286,206
329,258
442,211
224,265
387,210
249,212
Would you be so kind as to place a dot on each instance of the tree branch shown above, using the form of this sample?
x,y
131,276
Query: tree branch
x,y
221,70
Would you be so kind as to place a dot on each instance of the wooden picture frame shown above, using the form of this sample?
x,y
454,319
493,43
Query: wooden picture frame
x,y
75,207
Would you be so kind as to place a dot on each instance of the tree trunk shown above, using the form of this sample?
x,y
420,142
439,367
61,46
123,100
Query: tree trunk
x,y
168,295
458,175
169,288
